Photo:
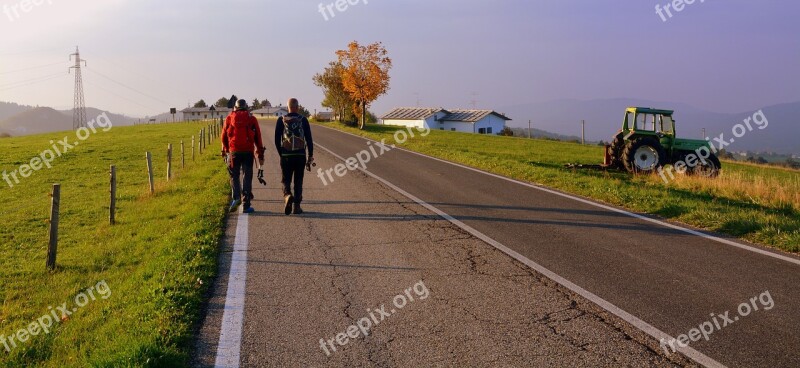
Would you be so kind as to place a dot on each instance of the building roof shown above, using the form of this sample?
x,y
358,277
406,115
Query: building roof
x,y
421,113
411,113
471,115
271,110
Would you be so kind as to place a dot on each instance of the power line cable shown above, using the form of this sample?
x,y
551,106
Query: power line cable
x,y
31,68
32,79
130,70
31,52
31,82
115,94
128,87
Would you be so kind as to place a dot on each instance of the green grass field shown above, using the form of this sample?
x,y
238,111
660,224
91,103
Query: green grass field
x,y
755,203
157,260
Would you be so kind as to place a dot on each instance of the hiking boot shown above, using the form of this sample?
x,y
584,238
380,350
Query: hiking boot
x,y
249,209
296,210
288,200
234,205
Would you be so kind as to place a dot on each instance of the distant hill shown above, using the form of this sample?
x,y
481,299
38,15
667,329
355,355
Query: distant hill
x,y
36,120
604,117
116,119
538,133
9,109
45,120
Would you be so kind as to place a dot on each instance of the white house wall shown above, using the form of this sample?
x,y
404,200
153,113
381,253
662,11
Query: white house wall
x,y
497,124
405,123
459,126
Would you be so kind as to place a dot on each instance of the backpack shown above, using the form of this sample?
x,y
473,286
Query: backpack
x,y
242,132
294,138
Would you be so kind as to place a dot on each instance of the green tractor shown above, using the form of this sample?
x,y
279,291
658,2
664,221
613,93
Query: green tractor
x,y
647,142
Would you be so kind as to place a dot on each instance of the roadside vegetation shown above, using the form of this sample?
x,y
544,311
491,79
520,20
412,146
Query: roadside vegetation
x,y
756,203
157,260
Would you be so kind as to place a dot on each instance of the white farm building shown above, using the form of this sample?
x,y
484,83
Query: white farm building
x,y
271,112
204,113
467,121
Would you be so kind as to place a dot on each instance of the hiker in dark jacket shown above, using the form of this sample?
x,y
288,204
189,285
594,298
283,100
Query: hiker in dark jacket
x,y
293,141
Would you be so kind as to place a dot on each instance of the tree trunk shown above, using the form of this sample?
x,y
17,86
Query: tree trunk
x,y
363,115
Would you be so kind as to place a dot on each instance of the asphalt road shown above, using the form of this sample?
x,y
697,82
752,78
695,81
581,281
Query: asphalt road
x,y
363,242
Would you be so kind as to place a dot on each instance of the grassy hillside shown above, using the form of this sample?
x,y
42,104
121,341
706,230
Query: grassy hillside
x,y
756,203
156,261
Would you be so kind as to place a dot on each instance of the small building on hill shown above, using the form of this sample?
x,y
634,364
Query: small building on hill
x,y
325,116
274,112
457,120
204,113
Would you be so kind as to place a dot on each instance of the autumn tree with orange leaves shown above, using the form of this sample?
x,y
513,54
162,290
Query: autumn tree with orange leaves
x,y
365,74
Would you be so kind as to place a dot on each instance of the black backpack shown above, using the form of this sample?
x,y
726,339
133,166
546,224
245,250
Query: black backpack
x,y
294,138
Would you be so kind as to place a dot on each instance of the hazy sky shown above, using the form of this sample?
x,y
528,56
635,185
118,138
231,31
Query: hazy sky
x,y
145,56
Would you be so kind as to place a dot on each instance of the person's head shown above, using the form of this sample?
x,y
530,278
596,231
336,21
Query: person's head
x,y
241,105
294,105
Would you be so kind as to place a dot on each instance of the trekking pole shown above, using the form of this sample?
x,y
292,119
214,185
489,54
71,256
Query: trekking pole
x,y
260,175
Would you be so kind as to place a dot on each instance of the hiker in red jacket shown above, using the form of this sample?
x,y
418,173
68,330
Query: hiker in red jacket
x,y
241,142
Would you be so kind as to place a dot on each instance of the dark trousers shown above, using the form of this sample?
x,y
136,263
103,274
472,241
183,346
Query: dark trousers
x,y
293,169
242,164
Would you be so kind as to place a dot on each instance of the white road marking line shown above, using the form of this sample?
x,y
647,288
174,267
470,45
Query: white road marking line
x,y
596,204
230,335
690,352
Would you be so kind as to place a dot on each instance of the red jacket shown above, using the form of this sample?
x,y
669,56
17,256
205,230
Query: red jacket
x,y
241,133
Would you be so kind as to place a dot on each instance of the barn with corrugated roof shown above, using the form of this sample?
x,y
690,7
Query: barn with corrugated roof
x,y
457,120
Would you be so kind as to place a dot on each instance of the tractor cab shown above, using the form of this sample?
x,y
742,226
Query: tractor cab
x,y
641,120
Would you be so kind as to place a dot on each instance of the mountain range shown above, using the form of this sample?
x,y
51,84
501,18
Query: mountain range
x,y
604,118
18,120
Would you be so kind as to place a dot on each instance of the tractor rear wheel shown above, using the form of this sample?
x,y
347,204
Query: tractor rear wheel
x,y
643,155
615,152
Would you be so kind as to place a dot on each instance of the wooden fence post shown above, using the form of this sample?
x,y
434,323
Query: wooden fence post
x,y
169,161
150,172
192,148
200,142
112,207
52,248
183,156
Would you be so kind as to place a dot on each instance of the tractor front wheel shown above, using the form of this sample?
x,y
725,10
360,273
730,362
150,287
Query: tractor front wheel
x,y
643,155
708,169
